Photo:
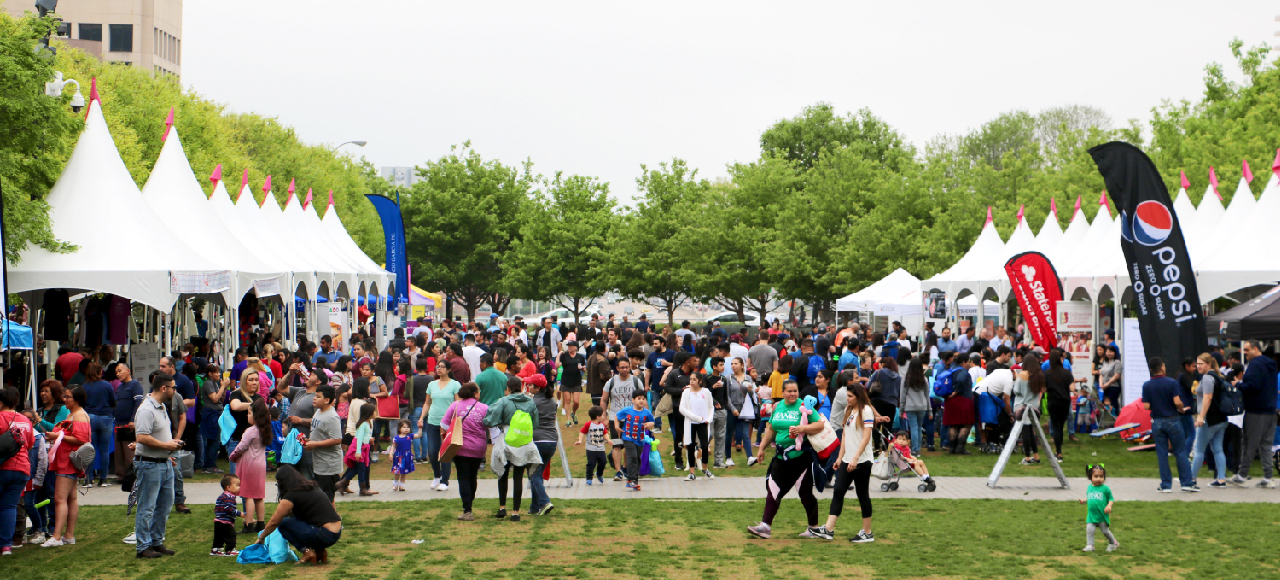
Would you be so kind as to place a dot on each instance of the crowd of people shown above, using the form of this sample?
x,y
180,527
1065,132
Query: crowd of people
x,y
460,397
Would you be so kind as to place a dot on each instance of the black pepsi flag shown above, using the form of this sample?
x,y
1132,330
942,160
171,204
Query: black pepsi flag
x,y
1164,285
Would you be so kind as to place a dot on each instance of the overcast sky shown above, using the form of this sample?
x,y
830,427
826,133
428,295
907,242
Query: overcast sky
x,y
598,88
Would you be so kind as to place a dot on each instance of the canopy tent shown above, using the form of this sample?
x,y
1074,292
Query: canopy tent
x,y
1185,211
1070,239
991,271
1257,319
16,336
1050,232
246,232
1243,258
172,190
332,225
898,288
296,224
1206,245
960,276
122,247
420,297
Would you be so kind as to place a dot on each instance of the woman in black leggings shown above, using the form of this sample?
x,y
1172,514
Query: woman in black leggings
x,y
791,467
1059,389
853,466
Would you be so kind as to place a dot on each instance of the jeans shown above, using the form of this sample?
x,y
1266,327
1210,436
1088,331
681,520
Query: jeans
x,y
11,484
41,518
359,470
211,449
155,499
1167,433
438,468
1189,430
231,447
537,492
419,446
915,419
1210,437
179,497
741,432
719,426
102,428
304,536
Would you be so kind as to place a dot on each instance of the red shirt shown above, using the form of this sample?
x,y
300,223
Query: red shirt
x,y
68,365
26,438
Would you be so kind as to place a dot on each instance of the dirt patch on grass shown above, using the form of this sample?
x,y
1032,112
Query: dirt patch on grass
x,y
1158,571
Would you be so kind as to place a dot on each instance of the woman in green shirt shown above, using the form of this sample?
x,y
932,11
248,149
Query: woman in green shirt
x,y
790,466
441,393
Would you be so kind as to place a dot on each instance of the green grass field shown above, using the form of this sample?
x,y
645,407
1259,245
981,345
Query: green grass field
x,y
932,539
1111,451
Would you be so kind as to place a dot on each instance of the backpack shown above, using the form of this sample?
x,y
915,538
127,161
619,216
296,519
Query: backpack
x,y
816,365
10,446
942,384
520,433
1227,397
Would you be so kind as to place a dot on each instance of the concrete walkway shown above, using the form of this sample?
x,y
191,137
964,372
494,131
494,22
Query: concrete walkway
x,y
674,488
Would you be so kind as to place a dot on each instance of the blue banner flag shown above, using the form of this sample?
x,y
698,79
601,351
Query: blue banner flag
x,y
393,232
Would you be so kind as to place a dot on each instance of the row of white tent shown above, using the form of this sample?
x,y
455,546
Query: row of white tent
x,y
1225,246
169,240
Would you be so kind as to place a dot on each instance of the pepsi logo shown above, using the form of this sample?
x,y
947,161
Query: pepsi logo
x,y
1029,273
1126,227
1152,223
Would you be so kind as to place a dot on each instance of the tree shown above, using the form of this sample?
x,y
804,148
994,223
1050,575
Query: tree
x,y
803,138
460,222
651,255
562,252
37,136
735,235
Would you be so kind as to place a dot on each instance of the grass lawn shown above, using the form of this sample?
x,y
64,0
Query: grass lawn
x,y
706,539
1110,451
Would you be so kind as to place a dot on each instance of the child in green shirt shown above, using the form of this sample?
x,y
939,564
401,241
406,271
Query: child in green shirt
x,y
1099,499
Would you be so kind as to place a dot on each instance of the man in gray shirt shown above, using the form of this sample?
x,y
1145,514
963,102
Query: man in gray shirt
x,y
325,442
155,447
301,409
762,356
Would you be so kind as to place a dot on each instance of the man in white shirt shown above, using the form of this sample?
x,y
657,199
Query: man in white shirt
x,y
965,342
738,350
549,335
472,353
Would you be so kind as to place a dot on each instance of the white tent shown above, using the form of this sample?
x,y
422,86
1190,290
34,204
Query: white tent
x,y
338,233
1050,232
1186,212
296,226
1243,259
1069,242
1208,213
122,246
899,288
1207,245
960,276
246,234
173,191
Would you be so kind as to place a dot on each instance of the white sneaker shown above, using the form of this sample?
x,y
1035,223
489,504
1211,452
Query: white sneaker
x,y
443,487
728,463
68,541
434,483
1267,484
132,538
1237,480
1087,549
751,461
51,543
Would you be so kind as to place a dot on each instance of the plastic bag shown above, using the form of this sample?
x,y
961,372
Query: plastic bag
x,y
645,452
278,549
290,450
655,462
254,554
227,423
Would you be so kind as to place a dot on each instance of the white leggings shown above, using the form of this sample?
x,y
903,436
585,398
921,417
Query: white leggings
x,y
1106,531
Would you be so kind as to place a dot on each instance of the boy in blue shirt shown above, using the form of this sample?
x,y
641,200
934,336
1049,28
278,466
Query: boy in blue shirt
x,y
634,422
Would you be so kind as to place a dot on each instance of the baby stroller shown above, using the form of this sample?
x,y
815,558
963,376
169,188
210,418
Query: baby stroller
x,y
897,466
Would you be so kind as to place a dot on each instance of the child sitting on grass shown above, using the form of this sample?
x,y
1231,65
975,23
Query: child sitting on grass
x,y
224,518
902,443
634,422
594,432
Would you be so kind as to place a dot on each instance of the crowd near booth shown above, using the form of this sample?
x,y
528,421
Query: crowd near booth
x,y
141,288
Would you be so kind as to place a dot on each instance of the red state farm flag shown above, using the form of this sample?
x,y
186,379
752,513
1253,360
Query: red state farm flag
x,y
1038,290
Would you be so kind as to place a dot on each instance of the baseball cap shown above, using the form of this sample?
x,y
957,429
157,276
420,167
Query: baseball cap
x,y
571,343
493,315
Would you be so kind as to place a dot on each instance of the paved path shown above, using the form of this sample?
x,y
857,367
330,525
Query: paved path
x,y
672,488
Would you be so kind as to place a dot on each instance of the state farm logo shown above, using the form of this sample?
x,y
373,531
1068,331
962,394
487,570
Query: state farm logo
x,y
1028,273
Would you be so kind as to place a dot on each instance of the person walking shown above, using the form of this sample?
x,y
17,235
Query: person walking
x,y
790,467
440,393
546,438
154,469
15,471
915,401
1060,390
744,407
1160,396
474,443
1211,422
697,406
512,461
855,457
1258,388
1027,390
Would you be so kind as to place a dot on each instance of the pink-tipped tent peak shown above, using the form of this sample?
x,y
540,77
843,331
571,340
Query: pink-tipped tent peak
x,y
266,190
1053,206
1275,165
1105,202
216,176
307,202
326,209
292,186
1213,179
989,218
1248,173
243,182
1077,209
1021,212
1185,183
168,124
93,96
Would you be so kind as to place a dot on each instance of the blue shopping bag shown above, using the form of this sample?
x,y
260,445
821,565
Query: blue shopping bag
x,y
655,462
227,423
275,550
290,450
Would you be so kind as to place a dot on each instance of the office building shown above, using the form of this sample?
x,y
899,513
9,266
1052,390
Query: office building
x,y
142,33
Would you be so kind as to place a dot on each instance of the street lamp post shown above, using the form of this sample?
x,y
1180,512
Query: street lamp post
x,y
356,143
54,89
